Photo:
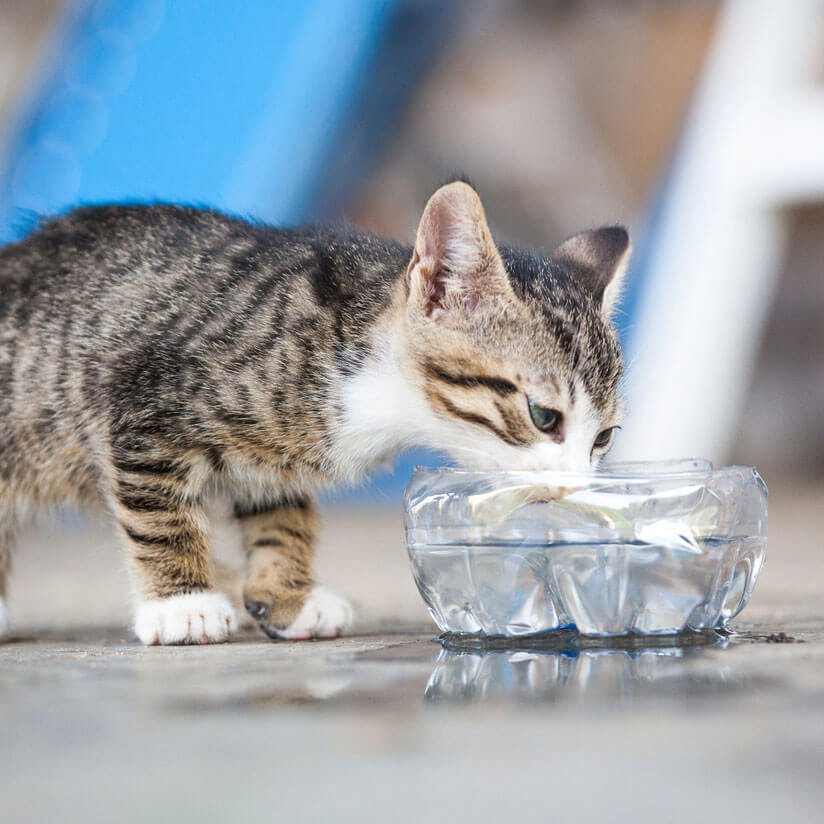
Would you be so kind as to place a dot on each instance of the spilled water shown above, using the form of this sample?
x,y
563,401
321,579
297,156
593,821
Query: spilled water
x,y
402,672
555,667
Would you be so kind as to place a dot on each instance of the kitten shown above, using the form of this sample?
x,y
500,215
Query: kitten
x,y
151,356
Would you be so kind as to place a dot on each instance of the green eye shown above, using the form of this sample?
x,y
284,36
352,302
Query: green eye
x,y
547,420
604,438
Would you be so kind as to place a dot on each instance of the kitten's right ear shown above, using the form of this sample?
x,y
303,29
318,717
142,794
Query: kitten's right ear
x,y
455,265
598,260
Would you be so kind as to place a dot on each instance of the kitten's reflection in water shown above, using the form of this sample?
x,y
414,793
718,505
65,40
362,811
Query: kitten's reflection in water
x,y
533,674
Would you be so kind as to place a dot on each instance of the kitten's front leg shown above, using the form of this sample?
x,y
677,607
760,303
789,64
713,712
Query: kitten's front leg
x,y
279,593
165,535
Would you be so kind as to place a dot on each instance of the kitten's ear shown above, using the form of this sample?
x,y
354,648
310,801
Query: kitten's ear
x,y
598,260
455,265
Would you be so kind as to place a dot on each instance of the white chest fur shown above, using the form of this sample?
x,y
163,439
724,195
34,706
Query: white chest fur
x,y
382,413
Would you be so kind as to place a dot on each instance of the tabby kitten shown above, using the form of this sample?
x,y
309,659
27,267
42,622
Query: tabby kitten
x,y
154,356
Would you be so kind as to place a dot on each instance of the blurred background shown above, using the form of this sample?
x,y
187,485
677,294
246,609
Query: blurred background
x,y
698,124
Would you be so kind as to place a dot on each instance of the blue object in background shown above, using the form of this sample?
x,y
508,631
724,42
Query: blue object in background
x,y
276,110
238,105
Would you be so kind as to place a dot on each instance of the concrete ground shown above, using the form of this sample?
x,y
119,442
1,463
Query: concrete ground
x,y
386,725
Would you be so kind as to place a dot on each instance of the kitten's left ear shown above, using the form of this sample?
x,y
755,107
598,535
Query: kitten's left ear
x,y
456,267
598,260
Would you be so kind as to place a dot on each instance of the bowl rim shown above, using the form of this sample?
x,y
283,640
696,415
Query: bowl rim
x,y
623,470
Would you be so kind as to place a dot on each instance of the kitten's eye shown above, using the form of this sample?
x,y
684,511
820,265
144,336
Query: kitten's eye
x,y
604,438
547,420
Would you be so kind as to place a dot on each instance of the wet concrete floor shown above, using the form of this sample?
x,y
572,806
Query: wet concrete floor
x,y
395,727
388,725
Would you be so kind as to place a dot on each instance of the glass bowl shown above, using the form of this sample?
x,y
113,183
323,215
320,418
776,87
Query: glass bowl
x,y
645,548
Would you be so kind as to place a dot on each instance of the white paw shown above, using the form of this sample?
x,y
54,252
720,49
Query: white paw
x,y
324,615
195,618
4,618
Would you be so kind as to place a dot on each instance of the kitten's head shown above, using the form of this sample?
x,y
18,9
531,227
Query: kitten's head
x,y
514,352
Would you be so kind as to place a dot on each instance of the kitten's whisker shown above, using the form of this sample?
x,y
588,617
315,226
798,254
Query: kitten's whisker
x,y
478,452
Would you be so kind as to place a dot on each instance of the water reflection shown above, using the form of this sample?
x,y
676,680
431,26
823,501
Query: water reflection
x,y
561,667
536,674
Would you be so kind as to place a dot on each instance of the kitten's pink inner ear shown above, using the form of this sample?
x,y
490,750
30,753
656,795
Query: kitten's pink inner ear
x,y
430,284
455,261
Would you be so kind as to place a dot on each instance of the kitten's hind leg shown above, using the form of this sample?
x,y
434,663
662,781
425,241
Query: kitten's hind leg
x,y
278,539
5,558
8,533
165,533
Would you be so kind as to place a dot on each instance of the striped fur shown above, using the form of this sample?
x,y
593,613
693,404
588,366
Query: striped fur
x,y
153,356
